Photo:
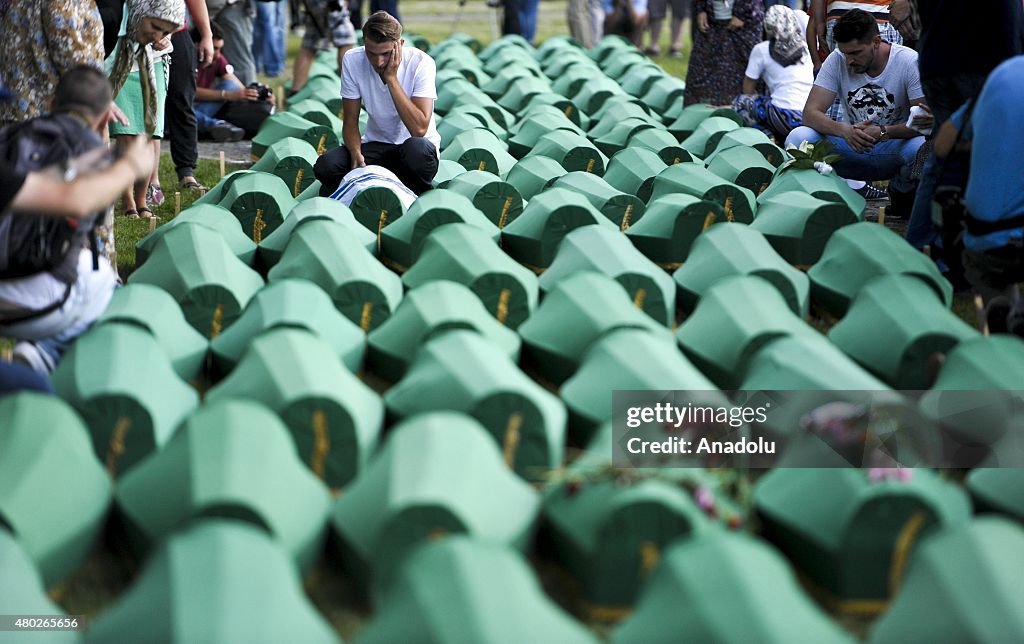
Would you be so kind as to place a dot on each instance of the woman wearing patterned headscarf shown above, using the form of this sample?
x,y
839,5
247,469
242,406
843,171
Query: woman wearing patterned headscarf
x,y
784,64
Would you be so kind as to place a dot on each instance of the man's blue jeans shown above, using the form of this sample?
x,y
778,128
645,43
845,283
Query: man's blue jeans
x,y
268,38
892,160
206,110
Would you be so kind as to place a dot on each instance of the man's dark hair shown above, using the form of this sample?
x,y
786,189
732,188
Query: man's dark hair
x,y
382,27
855,24
82,89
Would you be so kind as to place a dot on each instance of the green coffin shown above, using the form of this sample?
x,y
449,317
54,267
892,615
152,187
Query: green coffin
x,y
998,490
578,311
573,78
506,41
722,335
234,460
196,266
612,140
633,171
592,95
214,195
806,362
290,303
335,420
255,596
617,67
604,250
313,209
439,474
323,90
455,124
726,587
156,312
214,217
447,593
376,207
799,226
521,90
467,255
706,136
496,199
894,328
312,191
260,201
689,120
533,175
501,116
22,593
750,137
534,238
446,171
621,208
743,166
483,117
402,241
694,179
611,46
469,68
852,536
670,225
610,537
317,112
616,109
54,494
510,56
857,254
639,78
663,143
291,160
572,151
830,188
532,128
664,93
285,124
450,92
566,107
426,312
461,371
327,254
121,382
734,249
479,149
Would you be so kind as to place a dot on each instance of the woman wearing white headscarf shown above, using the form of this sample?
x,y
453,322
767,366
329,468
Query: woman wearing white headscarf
x,y
783,63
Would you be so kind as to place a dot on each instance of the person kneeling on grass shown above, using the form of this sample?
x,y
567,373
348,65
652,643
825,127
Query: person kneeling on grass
x,y
396,86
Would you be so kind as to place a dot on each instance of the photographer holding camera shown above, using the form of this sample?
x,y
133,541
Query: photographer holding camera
x,y
227,110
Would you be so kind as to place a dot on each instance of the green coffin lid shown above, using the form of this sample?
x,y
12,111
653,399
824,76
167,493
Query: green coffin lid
x,y
633,171
461,371
616,108
450,92
54,494
627,358
722,335
402,241
290,303
689,120
501,116
418,41
533,175
121,382
316,112
670,225
234,460
617,66
327,254
22,593
446,171
998,490
510,56
830,188
313,209
850,536
663,143
622,209
521,90
469,68
465,254
155,311
291,160
214,217
611,46
752,138
558,46
734,249
806,362
572,79
858,253
260,201
335,420
894,327
496,199
284,124
427,311
743,166
798,225
694,179
705,138
664,93
483,116
376,207
438,474
572,151
963,586
534,237
604,250
479,149
312,191
610,537
703,584
508,40
639,78
323,90
455,124
447,592
454,48
612,141
215,194
532,128
551,100
256,595
195,265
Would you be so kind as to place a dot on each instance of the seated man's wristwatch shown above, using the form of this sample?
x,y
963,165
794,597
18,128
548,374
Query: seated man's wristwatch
x,y
884,135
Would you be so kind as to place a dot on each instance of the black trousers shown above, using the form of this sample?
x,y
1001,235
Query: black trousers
x,y
179,115
414,162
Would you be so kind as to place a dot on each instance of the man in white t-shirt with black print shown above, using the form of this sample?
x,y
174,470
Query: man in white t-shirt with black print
x,y
396,86
877,83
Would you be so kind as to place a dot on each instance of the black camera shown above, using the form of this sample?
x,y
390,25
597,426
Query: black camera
x,y
263,91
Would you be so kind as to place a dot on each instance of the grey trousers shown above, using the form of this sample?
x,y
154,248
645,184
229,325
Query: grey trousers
x,y
236,21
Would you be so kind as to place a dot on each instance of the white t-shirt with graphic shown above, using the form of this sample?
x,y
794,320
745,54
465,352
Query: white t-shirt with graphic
x,y
883,99
416,75
789,86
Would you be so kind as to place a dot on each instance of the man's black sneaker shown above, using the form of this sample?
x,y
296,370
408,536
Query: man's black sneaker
x,y
225,131
871,193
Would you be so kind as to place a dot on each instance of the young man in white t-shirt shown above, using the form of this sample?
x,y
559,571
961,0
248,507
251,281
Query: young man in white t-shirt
x,y
396,86
877,83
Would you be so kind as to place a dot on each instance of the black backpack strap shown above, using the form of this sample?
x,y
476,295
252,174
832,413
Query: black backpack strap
x,y
38,313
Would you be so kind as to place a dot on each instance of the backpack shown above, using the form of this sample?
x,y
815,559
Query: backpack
x,y
32,243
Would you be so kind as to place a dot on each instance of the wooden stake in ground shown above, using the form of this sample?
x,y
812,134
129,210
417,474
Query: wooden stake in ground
x,y
222,164
979,308
152,224
280,98
177,203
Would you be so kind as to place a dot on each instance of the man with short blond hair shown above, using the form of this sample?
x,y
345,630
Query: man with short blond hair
x,y
395,84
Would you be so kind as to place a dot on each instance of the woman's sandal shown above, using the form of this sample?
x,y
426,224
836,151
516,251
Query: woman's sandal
x,y
131,214
147,216
190,183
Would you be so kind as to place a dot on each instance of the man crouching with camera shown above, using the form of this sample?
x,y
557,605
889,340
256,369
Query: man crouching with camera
x,y
226,110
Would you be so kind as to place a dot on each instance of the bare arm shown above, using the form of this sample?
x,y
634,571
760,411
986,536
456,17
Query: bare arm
x,y
820,18
819,100
350,130
749,85
201,19
415,112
